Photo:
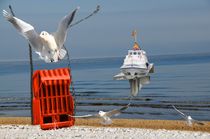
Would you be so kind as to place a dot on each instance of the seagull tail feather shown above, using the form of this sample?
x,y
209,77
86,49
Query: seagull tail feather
x,y
62,53
7,15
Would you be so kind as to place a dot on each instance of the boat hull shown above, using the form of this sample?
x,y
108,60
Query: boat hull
x,y
134,71
137,72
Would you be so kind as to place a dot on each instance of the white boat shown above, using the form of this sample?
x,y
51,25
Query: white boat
x,y
135,68
136,63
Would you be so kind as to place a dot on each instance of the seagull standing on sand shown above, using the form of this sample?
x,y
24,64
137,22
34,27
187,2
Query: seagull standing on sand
x,y
189,119
48,46
106,116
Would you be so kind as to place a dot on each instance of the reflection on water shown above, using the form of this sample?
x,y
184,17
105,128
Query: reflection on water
x,y
180,80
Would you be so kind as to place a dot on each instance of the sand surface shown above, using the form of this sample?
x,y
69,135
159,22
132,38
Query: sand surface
x,y
129,123
20,127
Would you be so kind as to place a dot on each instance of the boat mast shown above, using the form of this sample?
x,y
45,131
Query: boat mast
x,y
134,34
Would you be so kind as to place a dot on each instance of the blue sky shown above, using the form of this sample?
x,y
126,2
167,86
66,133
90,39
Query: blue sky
x,y
164,26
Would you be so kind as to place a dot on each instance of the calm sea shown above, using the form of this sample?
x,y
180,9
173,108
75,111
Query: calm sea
x,y
180,80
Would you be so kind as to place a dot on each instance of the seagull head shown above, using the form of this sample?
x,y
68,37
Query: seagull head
x,y
101,113
44,35
189,117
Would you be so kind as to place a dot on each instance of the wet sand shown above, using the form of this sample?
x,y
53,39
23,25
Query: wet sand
x,y
123,123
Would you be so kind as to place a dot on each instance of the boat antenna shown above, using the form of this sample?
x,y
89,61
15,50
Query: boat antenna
x,y
134,34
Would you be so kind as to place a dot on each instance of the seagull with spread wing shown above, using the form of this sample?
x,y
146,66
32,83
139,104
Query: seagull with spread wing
x,y
189,119
49,46
106,116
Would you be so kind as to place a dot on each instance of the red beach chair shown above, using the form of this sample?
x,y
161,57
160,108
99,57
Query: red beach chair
x,y
52,100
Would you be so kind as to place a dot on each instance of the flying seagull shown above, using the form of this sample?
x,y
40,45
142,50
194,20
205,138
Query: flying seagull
x,y
49,46
105,116
188,119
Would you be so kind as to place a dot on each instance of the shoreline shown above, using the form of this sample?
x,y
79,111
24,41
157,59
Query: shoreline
x,y
121,123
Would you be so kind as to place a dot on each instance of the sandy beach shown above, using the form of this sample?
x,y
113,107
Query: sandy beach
x,y
20,127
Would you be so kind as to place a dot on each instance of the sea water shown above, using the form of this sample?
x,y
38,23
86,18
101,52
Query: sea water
x,y
182,80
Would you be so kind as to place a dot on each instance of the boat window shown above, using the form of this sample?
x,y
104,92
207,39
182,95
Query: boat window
x,y
134,53
139,53
130,53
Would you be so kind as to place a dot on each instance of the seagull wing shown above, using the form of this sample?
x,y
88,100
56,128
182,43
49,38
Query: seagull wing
x,y
183,115
25,30
61,33
86,116
198,122
117,111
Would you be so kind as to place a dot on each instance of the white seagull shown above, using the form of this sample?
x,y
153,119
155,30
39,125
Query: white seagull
x,y
48,46
188,119
106,116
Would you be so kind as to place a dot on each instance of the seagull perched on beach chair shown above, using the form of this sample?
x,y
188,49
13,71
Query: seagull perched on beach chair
x,y
188,119
106,116
48,46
